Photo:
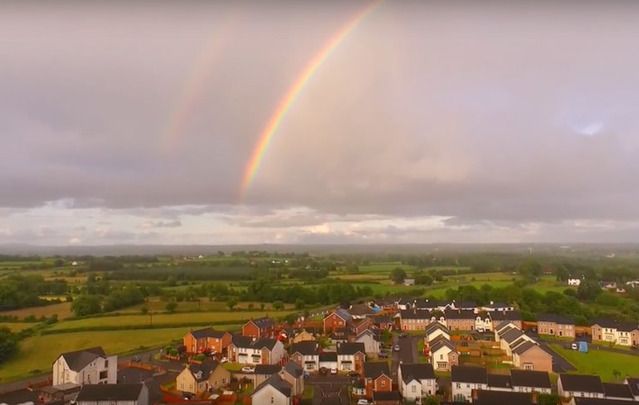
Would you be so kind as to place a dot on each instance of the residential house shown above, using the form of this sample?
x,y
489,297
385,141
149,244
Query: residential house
x,y
245,350
483,322
371,345
328,360
88,366
460,319
512,316
206,340
596,401
530,356
306,355
113,394
363,311
273,391
200,378
383,322
530,381
555,325
415,319
574,385
294,375
258,328
263,372
60,394
434,330
463,305
404,303
624,334
361,325
619,392
377,378
502,327
497,307
633,384
387,398
303,336
416,380
351,356
574,282
465,379
409,281
483,397
338,319
442,353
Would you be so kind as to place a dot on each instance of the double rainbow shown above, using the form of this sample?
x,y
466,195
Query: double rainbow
x,y
293,92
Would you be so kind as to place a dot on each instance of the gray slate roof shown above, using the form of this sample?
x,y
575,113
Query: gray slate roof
x,y
109,392
79,359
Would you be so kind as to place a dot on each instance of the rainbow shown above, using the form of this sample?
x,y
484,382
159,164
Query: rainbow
x,y
192,89
293,92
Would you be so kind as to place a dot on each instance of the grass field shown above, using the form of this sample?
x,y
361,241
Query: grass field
x,y
63,310
157,305
37,353
17,326
164,319
599,362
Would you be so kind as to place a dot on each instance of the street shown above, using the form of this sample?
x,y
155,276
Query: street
x,y
330,389
407,351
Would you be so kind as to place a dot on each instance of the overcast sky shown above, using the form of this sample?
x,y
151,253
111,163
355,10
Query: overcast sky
x,y
133,122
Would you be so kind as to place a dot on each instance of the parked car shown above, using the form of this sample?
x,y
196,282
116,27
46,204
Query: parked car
x,y
362,402
333,371
574,346
248,369
396,348
224,360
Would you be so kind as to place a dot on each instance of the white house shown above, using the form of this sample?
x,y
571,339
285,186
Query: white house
x,y
442,354
416,381
465,379
575,282
89,366
260,351
306,354
328,360
574,385
409,281
274,390
434,330
371,345
351,356
530,381
113,394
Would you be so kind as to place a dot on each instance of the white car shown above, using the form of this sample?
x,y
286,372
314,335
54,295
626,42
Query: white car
x,y
248,369
224,360
362,402
333,371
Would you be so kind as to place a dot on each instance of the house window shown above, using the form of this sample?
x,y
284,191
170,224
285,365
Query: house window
x,y
106,363
414,388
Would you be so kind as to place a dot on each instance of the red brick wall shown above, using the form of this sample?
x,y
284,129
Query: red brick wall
x,y
333,322
250,329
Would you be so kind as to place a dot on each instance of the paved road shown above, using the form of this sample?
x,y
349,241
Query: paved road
x,y
559,364
407,351
330,390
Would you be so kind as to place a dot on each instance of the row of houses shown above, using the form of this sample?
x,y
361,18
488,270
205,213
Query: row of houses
x,y
589,387
461,320
525,351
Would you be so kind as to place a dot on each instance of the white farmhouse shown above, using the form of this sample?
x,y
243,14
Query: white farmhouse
x,y
89,366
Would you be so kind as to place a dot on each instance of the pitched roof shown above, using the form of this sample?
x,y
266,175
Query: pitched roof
x,y
203,370
109,392
468,374
502,397
459,314
434,327
328,356
374,370
505,315
342,313
600,401
276,382
611,323
529,378
617,390
293,369
79,359
207,332
267,369
265,343
305,348
498,380
415,314
241,341
416,371
440,342
512,335
555,318
361,309
583,383
350,348
633,383
262,323
386,396
524,347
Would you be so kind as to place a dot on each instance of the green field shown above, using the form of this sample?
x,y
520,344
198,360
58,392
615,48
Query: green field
x,y
63,310
196,318
37,353
17,326
600,362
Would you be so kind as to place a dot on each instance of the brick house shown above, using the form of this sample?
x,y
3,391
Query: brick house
x,y
461,319
338,319
415,319
499,317
377,378
258,328
361,325
555,325
206,340
530,356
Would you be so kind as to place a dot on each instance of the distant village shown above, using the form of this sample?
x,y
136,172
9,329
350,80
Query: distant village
x,y
390,351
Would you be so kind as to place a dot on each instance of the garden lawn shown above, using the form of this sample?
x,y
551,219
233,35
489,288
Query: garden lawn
x,y
600,362
37,353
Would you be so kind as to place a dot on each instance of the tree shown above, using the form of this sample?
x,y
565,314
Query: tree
x,y
588,290
398,275
86,305
278,305
171,306
144,310
299,303
232,303
8,344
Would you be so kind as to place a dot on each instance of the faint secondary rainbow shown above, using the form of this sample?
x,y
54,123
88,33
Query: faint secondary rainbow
x,y
194,85
294,90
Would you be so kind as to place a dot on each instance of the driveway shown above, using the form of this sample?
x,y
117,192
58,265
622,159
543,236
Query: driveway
x,y
330,389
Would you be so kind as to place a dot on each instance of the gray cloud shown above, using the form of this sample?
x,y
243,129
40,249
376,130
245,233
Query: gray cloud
x,y
506,121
